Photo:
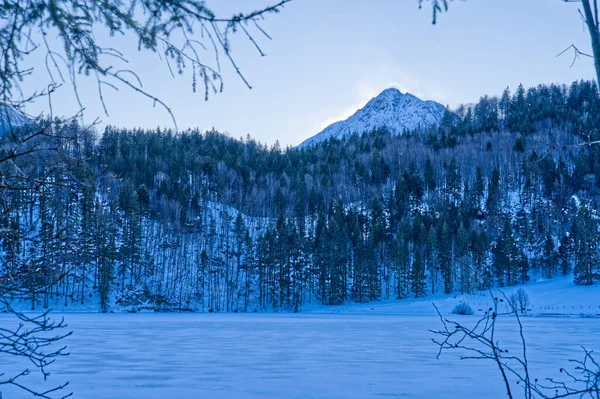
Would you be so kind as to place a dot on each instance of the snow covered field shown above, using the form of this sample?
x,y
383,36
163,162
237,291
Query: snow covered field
x,y
361,351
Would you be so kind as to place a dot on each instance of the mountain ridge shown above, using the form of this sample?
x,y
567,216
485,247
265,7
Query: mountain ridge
x,y
10,119
391,109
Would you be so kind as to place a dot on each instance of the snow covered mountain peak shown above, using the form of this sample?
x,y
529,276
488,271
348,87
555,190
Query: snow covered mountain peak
x,y
392,109
11,118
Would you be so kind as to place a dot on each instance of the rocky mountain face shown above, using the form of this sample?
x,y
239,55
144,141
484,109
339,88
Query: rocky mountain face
x,y
10,119
392,109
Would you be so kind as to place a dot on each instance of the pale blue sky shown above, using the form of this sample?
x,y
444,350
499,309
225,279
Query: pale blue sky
x,y
329,57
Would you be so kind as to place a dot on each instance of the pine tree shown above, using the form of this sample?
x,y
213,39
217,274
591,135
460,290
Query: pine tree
x,y
565,254
239,250
479,186
508,260
446,260
429,175
505,107
418,275
107,254
401,198
517,121
144,197
462,260
453,181
550,257
432,257
401,257
494,194
586,242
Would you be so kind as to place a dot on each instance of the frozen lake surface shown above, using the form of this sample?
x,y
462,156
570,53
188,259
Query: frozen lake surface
x,y
290,356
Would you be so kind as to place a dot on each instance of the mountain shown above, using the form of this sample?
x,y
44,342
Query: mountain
x,y
143,220
11,118
391,109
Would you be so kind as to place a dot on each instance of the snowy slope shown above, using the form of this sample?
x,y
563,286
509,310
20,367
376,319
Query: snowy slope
x,y
554,297
10,118
391,109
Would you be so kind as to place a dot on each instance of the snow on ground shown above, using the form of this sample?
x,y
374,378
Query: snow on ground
x,y
351,351
554,297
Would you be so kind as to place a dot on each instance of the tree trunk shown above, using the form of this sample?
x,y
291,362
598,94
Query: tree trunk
x,y
591,20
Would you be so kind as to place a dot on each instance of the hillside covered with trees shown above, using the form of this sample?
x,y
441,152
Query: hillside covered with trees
x,y
138,219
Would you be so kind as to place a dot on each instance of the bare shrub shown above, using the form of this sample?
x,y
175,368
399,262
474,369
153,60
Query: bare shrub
x,y
462,309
